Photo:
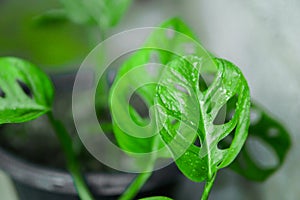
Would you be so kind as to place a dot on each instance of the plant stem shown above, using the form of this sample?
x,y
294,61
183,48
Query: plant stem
x,y
141,179
71,160
207,187
135,186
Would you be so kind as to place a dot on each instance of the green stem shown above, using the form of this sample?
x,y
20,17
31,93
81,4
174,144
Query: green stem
x,y
141,179
207,187
135,186
71,160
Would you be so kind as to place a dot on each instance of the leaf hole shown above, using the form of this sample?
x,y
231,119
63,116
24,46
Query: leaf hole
x,y
273,132
205,80
226,142
210,106
255,116
231,107
218,165
2,93
261,153
139,105
229,115
181,88
202,84
170,33
25,88
189,48
197,142
208,71
227,111
221,116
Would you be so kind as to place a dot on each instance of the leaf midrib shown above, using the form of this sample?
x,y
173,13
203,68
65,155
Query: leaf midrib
x,y
204,116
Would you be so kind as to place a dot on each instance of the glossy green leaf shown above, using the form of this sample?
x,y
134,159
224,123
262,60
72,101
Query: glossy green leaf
x,y
272,134
155,45
25,91
181,99
156,198
105,13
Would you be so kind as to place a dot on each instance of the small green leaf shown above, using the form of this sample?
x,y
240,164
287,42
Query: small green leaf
x,y
115,9
25,92
181,99
105,13
156,198
273,134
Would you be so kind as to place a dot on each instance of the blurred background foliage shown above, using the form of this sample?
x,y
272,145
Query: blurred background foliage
x,y
50,43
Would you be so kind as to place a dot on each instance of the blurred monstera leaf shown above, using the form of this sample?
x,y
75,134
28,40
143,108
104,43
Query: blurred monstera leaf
x,y
105,13
168,36
272,136
25,91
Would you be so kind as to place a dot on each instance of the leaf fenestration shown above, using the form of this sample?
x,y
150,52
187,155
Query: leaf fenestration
x,y
26,92
272,133
196,110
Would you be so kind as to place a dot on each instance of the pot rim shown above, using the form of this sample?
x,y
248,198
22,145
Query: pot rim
x,y
60,181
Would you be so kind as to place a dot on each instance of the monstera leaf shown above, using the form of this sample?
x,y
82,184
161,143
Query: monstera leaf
x,y
182,102
271,134
25,92
155,50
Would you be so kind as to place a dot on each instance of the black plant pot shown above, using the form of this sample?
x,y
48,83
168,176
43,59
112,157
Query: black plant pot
x,y
34,181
